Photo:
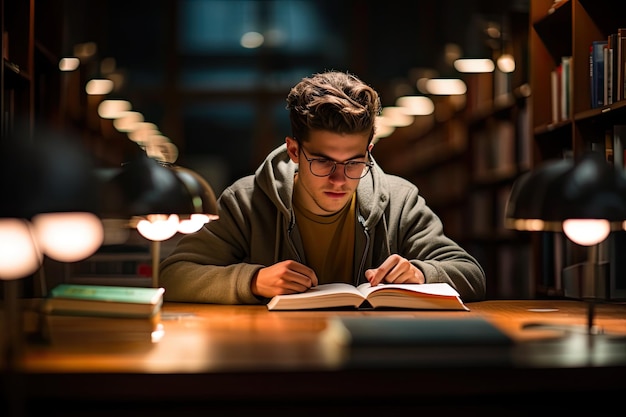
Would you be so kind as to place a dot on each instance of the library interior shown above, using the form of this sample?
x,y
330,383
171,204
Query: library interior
x,y
123,122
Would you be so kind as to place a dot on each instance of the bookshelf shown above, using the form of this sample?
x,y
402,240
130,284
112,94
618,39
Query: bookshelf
x,y
500,151
16,73
465,159
557,30
29,76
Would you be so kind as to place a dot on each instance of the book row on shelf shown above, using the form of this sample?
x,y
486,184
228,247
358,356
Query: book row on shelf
x,y
607,76
561,90
607,69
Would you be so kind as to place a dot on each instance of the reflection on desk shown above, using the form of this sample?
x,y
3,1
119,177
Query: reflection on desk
x,y
246,360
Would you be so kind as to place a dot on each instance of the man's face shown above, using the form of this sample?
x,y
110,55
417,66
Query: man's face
x,y
329,194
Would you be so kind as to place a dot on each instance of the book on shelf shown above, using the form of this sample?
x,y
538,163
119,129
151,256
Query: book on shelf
x,y
596,72
434,296
555,93
103,300
608,72
620,57
566,88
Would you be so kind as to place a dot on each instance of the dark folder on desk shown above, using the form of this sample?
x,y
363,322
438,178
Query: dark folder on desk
x,y
423,332
394,341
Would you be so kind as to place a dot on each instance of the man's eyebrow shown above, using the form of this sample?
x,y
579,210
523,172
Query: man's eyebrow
x,y
321,155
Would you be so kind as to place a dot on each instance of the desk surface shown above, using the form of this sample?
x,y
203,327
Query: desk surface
x,y
217,338
219,353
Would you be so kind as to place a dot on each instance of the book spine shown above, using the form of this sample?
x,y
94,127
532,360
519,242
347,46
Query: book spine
x,y
596,73
612,42
621,63
566,76
606,80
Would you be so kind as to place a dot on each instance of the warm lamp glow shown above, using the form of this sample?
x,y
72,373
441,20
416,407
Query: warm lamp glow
x,y
112,109
397,116
586,232
68,237
161,148
384,127
193,223
69,64
468,65
506,63
447,86
19,254
142,132
127,120
416,105
533,225
158,227
99,87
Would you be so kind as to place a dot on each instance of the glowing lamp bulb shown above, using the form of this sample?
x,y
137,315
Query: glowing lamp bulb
x,y
69,237
158,227
19,254
586,232
193,223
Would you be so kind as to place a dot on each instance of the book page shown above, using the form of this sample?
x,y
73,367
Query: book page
x,y
323,296
435,296
437,288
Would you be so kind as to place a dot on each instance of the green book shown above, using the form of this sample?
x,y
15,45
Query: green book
x,y
104,300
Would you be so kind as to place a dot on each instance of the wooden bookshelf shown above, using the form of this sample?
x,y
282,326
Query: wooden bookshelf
x,y
29,75
568,30
465,160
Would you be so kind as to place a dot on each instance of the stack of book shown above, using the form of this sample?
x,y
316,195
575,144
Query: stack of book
x,y
87,314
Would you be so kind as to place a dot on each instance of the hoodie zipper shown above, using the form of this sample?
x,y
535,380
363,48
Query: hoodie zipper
x,y
292,224
364,255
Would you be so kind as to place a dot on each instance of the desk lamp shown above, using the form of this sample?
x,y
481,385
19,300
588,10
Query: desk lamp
x,y
159,199
48,208
585,199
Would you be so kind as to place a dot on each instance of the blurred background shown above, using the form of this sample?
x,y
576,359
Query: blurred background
x,y
205,82
213,74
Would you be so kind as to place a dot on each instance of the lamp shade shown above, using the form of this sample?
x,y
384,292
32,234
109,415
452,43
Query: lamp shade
x,y
155,196
525,206
49,173
589,188
48,179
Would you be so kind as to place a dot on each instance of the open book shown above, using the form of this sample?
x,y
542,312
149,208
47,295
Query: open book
x,y
435,296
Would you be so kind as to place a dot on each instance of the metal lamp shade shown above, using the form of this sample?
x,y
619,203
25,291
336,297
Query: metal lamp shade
x,y
144,186
590,188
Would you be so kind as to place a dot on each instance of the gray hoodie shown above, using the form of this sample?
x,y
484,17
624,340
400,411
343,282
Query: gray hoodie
x,y
257,228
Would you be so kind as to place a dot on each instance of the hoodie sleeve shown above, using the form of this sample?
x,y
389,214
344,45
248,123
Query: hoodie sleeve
x,y
210,266
421,239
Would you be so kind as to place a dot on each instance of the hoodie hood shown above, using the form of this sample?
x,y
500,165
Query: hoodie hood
x,y
275,177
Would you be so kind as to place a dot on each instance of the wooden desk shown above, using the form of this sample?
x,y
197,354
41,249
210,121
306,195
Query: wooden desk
x,y
245,360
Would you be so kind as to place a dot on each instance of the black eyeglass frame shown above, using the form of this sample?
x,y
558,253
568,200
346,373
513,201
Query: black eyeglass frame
x,y
366,165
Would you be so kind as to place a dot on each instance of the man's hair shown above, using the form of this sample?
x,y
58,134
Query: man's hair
x,y
333,101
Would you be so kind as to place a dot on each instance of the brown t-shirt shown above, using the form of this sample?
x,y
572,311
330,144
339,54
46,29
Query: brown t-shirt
x,y
328,242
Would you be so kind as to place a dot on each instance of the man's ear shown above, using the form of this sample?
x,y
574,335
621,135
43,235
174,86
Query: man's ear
x,y
370,146
292,149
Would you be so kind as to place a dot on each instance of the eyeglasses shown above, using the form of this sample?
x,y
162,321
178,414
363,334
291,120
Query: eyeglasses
x,y
323,167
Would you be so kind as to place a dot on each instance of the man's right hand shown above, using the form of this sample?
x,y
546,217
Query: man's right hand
x,y
286,277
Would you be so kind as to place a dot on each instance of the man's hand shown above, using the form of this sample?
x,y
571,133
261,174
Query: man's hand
x,y
286,277
397,270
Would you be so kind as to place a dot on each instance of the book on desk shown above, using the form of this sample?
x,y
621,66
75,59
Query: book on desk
x,y
101,313
434,296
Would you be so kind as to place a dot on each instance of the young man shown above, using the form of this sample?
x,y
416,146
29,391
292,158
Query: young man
x,y
319,210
